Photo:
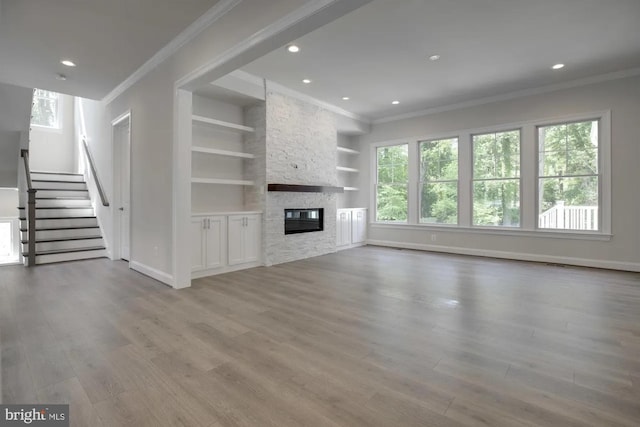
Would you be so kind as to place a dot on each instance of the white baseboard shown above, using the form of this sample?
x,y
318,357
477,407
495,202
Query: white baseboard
x,y
519,256
227,269
350,246
160,276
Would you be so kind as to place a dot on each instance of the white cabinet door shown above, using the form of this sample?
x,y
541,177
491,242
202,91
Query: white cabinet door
x,y
198,243
244,239
358,226
235,237
252,238
343,233
215,239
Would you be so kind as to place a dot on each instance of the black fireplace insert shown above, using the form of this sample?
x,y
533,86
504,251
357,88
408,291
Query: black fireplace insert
x,y
303,220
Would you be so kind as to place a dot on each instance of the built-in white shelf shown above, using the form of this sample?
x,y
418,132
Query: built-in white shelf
x,y
223,152
348,150
351,189
221,123
346,169
221,181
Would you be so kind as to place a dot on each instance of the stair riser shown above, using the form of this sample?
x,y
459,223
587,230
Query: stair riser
x,y
63,202
56,177
62,193
47,259
67,244
60,185
63,234
67,222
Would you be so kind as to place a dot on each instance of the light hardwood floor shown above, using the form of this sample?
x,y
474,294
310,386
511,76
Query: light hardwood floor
x,y
366,337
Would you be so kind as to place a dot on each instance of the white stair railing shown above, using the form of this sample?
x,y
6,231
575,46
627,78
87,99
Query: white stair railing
x,y
569,217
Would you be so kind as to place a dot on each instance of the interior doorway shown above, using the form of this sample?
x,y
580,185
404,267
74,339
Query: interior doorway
x,y
121,130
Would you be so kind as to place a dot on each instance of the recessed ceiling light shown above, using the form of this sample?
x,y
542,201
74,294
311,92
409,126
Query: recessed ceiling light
x,y
61,77
558,66
345,98
293,48
434,57
395,102
68,63
306,81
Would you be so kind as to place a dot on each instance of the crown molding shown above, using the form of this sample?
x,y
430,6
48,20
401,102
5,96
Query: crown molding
x,y
209,17
512,95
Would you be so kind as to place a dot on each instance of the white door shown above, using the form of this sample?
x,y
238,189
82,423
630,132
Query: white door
x,y
214,241
235,237
124,210
198,232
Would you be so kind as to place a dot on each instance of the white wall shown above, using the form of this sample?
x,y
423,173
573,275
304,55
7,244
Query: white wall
x,y
53,150
621,97
8,203
15,115
151,101
91,120
10,148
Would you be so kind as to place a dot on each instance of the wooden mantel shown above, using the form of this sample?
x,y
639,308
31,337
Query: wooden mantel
x,y
293,188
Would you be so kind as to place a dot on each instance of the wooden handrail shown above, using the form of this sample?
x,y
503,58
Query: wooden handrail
x,y
94,172
31,211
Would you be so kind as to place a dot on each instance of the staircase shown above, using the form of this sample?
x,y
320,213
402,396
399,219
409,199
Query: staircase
x,y
66,225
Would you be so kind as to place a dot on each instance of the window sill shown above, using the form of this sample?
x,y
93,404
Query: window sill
x,y
46,129
571,235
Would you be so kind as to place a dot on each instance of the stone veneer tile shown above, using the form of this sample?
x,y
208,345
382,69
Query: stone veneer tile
x,y
300,148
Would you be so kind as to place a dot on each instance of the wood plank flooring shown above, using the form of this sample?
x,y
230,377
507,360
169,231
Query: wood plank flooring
x,y
366,337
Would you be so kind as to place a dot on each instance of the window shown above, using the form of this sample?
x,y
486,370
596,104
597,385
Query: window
x,y
439,181
496,179
392,180
568,176
534,177
45,111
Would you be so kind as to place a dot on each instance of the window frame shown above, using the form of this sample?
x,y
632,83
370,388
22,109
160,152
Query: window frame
x,y
603,212
519,177
59,118
422,182
528,180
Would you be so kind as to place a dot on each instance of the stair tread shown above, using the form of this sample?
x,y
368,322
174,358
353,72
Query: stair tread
x,y
63,198
64,251
60,239
60,228
61,207
66,181
57,173
61,189
61,217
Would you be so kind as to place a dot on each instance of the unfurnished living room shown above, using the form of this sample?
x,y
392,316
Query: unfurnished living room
x,y
320,213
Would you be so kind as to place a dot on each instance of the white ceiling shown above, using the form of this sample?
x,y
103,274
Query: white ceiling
x,y
378,53
108,39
